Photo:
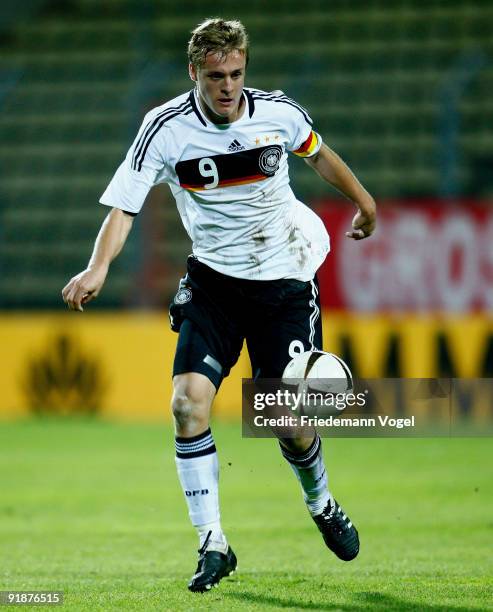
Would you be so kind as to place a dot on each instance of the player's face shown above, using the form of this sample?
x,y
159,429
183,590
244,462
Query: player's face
x,y
220,83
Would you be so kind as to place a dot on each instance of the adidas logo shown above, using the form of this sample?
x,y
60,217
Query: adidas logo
x,y
235,146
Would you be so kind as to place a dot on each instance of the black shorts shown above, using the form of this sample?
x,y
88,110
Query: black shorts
x,y
214,313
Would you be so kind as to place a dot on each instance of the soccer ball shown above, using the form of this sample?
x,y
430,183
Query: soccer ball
x,y
321,379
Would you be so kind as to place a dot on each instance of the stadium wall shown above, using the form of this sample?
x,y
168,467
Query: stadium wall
x,y
425,255
119,365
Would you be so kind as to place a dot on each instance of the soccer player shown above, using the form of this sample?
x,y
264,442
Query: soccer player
x,y
223,149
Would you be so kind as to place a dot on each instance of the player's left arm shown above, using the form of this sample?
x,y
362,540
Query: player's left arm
x,y
333,170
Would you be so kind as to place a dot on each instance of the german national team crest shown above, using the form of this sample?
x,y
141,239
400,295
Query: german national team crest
x,y
183,296
269,160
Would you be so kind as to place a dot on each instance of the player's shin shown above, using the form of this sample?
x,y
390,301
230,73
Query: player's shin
x,y
198,471
311,473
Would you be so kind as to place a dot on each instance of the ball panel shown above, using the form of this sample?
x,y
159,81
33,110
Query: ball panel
x,y
319,372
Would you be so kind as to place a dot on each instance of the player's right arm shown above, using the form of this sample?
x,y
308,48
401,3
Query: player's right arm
x,y
142,168
86,285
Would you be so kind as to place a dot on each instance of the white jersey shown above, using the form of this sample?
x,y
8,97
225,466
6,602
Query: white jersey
x,y
231,184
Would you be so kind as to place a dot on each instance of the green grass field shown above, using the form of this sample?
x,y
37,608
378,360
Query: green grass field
x,y
95,510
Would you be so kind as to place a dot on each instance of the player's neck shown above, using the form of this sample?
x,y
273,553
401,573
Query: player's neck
x,y
215,118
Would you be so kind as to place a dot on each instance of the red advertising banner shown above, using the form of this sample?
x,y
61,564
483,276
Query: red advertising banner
x,y
425,255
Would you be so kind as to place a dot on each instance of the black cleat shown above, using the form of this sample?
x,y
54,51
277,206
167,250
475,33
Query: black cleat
x,y
213,566
338,532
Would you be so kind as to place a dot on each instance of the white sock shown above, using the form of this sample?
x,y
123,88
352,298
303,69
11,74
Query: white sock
x,y
217,539
198,471
310,471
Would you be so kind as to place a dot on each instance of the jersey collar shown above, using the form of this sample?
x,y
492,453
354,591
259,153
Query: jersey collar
x,y
194,101
251,104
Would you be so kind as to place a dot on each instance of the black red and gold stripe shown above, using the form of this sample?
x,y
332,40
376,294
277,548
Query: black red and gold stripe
x,y
309,146
239,168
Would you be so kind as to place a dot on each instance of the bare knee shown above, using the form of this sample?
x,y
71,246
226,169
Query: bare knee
x,y
297,445
187,405
192,399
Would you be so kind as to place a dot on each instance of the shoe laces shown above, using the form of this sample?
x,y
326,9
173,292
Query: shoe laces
x,y
333,519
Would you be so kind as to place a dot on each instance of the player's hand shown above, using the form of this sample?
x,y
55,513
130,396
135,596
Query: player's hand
x,y
363,224
83,288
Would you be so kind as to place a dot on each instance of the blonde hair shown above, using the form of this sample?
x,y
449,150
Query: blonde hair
x,y
216,35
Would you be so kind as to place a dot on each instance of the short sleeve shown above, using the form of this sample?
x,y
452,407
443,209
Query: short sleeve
x,y
142,168
303,141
